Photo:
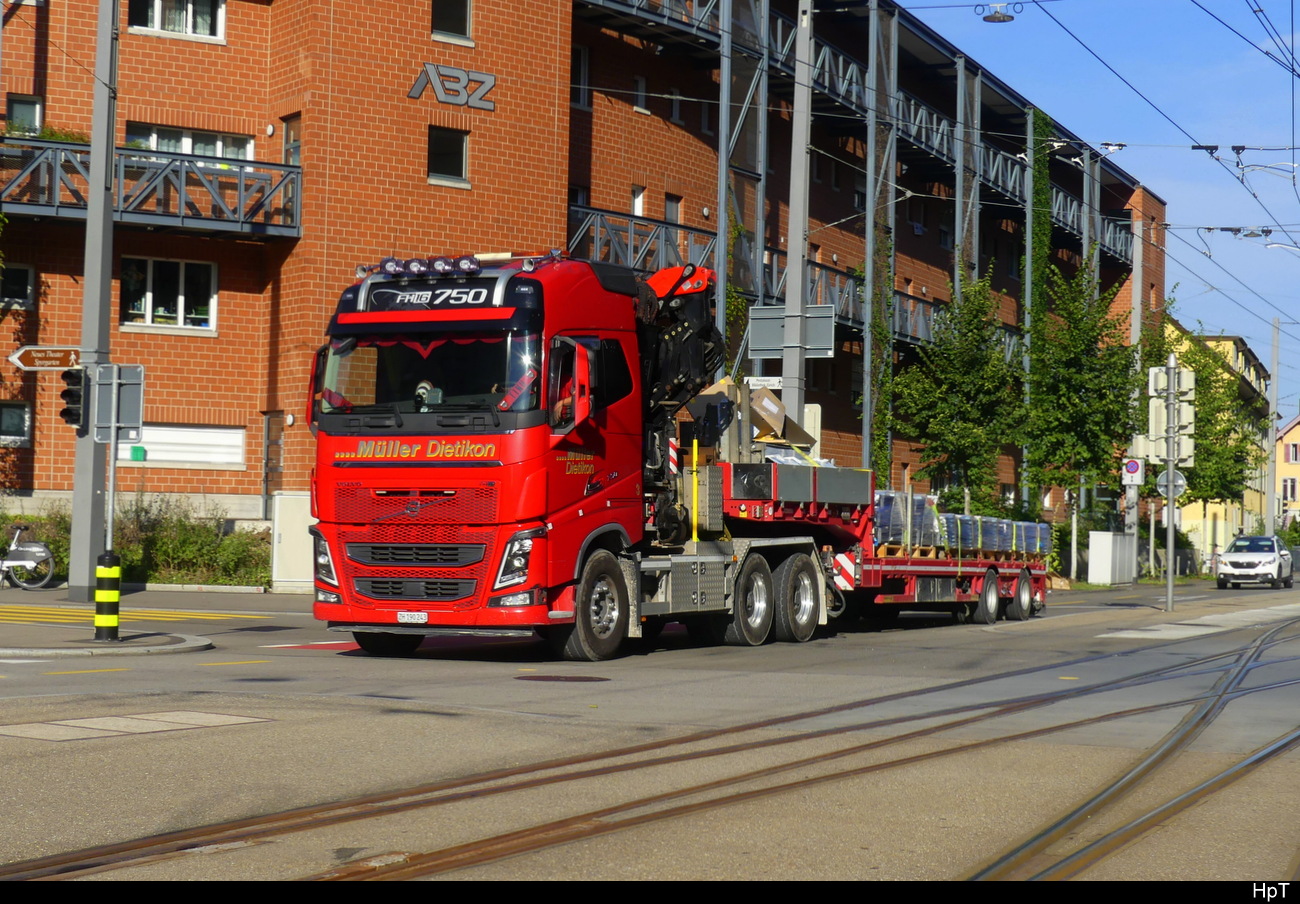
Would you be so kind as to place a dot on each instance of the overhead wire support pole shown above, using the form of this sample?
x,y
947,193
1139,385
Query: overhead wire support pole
x,y
1171,459
796,281
88,497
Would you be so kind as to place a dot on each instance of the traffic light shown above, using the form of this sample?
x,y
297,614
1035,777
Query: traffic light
x,y
77,385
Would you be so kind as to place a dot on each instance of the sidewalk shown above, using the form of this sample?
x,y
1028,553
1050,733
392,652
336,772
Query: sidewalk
x,y
37,639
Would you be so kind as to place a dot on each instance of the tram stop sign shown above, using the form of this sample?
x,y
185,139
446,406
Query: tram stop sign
x,y
1179,483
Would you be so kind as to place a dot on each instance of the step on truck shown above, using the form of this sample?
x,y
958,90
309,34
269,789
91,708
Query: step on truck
x,y
517,444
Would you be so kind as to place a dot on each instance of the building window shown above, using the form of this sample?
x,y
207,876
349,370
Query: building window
x,y
675,107
195,18
580,73
292,133
638,200
15,424
673,208
22,115
448,156
1293,453
169,293
17,286
638,95
189,141
451,17
706,118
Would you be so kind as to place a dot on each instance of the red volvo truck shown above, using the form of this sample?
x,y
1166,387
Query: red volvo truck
x,y
501,450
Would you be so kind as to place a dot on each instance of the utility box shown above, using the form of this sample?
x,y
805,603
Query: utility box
x,y
1112,558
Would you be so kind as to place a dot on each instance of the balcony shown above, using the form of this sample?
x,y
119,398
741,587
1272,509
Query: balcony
x,y
153,188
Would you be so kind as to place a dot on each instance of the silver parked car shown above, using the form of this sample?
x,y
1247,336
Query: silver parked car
x,y
1263,560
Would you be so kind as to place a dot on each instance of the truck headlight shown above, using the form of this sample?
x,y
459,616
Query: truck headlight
x,y
515,558
322,560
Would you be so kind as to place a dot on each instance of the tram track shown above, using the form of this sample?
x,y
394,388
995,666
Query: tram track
x,y
733,748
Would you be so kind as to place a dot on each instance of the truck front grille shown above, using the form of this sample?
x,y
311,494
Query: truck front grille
x,y
446,555
395,563
397,589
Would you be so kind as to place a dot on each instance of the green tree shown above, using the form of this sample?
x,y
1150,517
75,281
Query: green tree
x,y
1083,378
1228,429
963,399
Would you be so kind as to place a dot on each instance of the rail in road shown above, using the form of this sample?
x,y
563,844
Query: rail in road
x,y
967,722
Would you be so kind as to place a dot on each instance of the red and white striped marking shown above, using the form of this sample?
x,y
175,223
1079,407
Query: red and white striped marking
x,y
672,456
844,571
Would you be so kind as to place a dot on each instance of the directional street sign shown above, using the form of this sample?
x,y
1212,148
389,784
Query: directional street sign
x,y
46,357
1180,483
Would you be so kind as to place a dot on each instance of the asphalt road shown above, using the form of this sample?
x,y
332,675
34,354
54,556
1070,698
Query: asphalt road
x,y
280,713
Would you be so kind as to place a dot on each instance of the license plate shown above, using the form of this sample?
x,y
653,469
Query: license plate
x,y
413,618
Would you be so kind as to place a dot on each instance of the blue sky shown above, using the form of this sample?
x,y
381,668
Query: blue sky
x,y
1209,83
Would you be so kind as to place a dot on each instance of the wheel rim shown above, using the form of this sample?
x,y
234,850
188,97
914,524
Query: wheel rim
x,y
1025,596
757,602
603,605
804,599
989,598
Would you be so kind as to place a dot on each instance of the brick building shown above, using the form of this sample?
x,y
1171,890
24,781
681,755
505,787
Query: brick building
x,y
267,147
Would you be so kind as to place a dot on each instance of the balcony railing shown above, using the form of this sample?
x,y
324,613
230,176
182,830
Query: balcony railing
x,y
154,188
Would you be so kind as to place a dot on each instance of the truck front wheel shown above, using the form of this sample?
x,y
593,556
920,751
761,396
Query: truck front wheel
x,y
600,619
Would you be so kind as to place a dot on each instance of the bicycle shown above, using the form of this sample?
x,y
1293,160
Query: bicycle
x,y
30,564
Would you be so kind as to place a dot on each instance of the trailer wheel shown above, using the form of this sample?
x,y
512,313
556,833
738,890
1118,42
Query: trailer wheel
x,y
795,618
377,644
600,621
986,610
752,607
1022,600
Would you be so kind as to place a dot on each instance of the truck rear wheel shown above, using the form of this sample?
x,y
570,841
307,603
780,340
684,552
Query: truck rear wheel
x,y
600,616
1022,599
986,610
752,605
795,618
377,644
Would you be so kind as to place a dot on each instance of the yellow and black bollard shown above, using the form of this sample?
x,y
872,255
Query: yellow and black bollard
x,y
108,592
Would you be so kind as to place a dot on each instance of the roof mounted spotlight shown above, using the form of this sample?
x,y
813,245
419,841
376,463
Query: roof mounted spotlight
x,y
442,266
417,266
468,264
997,12
390,266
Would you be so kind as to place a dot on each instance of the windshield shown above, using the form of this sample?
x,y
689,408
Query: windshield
x,y
1252,544
432,372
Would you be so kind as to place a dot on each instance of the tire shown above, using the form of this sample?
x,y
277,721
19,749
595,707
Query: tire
x,y
601,612
1289,581
752,604
38,575
964,613
1277,581
795,618
1222,583
1022,598
387,644
986,610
